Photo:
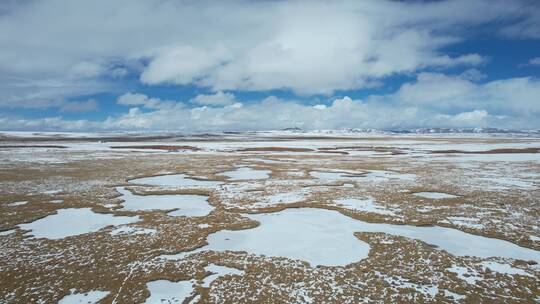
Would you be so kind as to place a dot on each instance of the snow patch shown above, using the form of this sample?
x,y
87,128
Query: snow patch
x,y
504,268
466,274
245,173
14,204
132,230
434,195
364,205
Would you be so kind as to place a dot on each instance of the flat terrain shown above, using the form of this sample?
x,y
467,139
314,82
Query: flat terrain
x,y
269,218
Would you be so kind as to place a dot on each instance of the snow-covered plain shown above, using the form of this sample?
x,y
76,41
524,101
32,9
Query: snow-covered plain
x,y
367,175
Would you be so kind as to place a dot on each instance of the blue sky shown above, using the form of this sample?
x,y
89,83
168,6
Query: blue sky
x,y
258,65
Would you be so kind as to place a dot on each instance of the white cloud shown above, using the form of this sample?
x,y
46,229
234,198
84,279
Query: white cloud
x,y
472,75
439,91
309,47
219,98
527,26
274,113
314,47
43,93
469,59
86,70
136,99
534,61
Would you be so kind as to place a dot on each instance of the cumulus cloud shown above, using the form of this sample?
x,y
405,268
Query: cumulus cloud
x,y
439,91
136,99
219,98
274,113
308,47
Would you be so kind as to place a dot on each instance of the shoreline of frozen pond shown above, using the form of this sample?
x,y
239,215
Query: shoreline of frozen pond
x,y
300,234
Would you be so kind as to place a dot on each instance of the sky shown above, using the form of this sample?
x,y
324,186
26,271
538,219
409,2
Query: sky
x,y
199,66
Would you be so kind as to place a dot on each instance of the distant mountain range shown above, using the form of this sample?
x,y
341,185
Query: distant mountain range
x,y
419,131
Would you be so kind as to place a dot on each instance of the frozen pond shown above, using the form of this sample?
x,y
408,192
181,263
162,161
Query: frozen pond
x,y
245,173
179,204
88,297
435,195
175,180
164,291
325,237
74,221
